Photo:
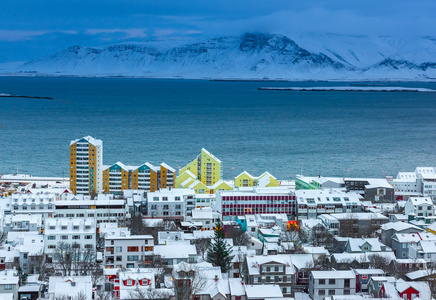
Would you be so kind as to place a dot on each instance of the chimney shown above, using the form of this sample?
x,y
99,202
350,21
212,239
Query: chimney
x,y
216,278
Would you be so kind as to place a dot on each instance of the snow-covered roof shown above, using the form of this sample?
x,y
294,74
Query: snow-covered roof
x,y
420,274
357,243
378,183
428,246
263,291
211,155
327,197
204,213
407,237
359,216
360,257
302,261
332,274
175,250
400,226
254,262
236,287
168,167
90,140
369,271
315,250
420,200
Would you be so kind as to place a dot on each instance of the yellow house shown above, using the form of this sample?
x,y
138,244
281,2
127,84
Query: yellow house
x,y
183,177
267,180
220,186
206,168
199,187
244,179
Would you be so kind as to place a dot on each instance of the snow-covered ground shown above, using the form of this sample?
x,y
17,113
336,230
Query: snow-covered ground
x,y
250,56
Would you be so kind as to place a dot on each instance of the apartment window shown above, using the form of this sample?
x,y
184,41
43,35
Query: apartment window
x,y
8,286
64,227
331,292
88,237
332,281
346,292
132,249
148,248
153,207
51,246
88,246
155,198
166,207
177,198
51,237
76,237
76,227
164,198
322,281
65,237
132,257
321,292
119,249
119,258
347,283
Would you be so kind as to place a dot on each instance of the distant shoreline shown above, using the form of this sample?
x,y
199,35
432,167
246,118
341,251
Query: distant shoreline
x,y
26,97
120,76
350,89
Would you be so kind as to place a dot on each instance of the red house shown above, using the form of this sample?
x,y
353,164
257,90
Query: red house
x,y
405,290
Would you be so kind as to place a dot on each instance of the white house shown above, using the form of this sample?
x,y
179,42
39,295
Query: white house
x,y
69,230
419,207
331,283
72,286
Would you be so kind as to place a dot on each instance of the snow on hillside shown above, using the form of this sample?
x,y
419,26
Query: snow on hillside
x,y
250,56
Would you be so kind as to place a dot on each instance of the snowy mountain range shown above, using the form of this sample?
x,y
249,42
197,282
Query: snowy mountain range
x,y
250,56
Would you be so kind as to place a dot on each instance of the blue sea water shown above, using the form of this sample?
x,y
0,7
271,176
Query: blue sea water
x,y
362,134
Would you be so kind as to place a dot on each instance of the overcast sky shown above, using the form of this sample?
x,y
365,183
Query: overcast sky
x,y
34,28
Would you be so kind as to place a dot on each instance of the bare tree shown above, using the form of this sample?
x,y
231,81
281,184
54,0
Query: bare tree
x,y
143,294
189,282
62,255
103,295
239,237
78,296
72,259
202,245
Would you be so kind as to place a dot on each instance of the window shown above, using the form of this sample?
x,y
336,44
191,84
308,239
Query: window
x,y
88,237
132,249
346,292
155,198
322,281
132,257
8,286
332,281
65,237
51,237
331,292
119,249
321,292
119,258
